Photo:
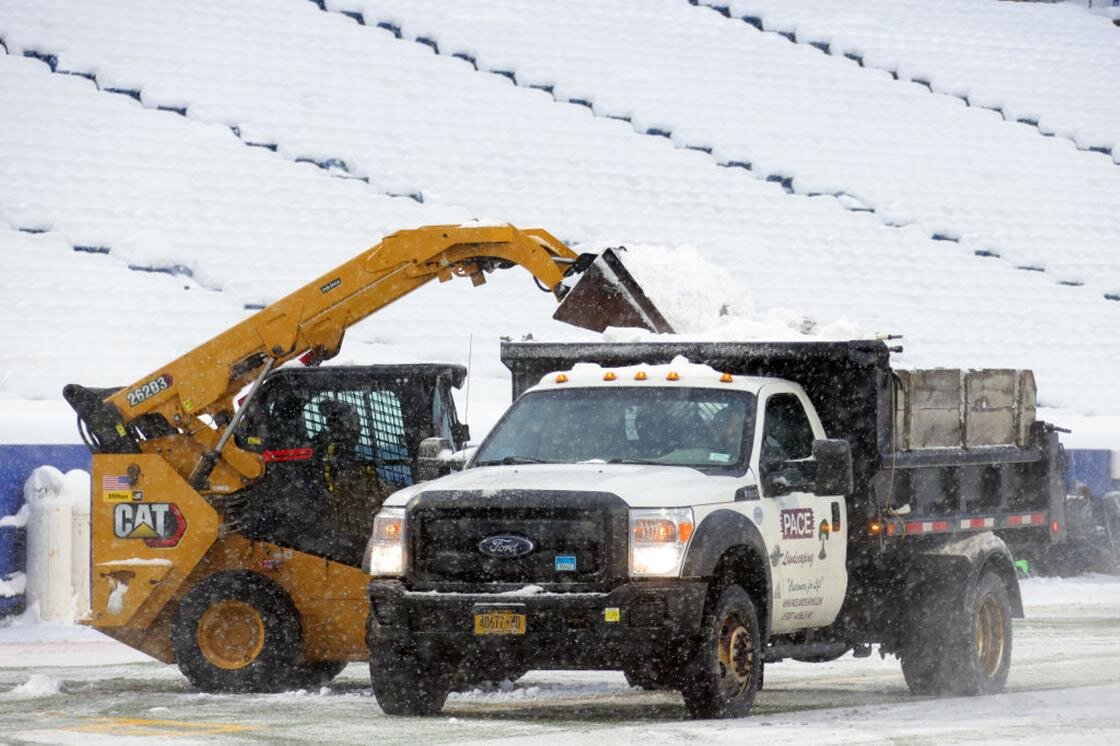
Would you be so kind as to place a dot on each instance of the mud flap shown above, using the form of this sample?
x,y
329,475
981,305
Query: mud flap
x,y
606,294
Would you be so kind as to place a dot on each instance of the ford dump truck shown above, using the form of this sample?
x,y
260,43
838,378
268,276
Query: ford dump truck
x,y
687,512
228,538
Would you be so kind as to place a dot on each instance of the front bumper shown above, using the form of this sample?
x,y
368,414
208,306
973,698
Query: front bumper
x,y
562,630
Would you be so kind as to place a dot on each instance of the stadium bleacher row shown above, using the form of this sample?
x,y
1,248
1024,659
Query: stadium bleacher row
x,y
361,130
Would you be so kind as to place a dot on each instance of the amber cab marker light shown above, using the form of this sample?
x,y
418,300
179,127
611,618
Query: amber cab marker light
x,y
875,527
609,376
561,378
673,376
726,378
640,375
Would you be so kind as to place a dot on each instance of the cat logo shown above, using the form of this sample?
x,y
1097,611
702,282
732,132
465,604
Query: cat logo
x,y
158,524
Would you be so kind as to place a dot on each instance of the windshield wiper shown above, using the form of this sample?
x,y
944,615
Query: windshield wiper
x,y
637,461
512,460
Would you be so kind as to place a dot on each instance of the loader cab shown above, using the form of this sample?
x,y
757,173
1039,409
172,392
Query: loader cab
x,y
336,441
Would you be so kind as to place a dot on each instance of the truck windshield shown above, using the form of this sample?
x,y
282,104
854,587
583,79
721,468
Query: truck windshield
x,y
699,427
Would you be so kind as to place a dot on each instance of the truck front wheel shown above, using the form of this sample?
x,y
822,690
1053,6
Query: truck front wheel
x,y
725,670
405,683
965,651
236,632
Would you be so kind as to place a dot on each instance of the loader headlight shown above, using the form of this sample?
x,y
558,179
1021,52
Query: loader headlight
x,y
384,555
658,540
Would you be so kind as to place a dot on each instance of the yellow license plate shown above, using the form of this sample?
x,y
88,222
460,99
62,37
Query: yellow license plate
x,y
499,623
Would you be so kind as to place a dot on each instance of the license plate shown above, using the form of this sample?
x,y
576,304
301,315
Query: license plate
x,y
499,623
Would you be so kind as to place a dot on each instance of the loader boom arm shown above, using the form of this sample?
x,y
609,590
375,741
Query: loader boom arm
x,y
167,406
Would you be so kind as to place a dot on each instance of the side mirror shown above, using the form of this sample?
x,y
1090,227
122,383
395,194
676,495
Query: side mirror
x,y
431,459
834,467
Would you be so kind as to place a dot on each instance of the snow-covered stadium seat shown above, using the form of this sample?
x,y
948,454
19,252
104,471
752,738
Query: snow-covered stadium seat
x,y
158,189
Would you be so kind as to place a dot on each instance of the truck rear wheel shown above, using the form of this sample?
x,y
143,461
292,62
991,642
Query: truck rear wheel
x,y
405,683
725,670
965,651
236,632
652,675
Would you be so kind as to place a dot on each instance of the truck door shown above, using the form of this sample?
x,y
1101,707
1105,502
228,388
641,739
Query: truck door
x,y
805,532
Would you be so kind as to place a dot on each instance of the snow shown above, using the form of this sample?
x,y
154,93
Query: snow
x,y
39,685
160,230
1063,687
1047,63
703,78
14,585
187,194
19,520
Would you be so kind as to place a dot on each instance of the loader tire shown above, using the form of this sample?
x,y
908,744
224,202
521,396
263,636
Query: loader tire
x,y
725,670
405,683
237,632
962,648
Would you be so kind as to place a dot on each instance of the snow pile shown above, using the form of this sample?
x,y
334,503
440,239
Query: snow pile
x,y
38,685
13,585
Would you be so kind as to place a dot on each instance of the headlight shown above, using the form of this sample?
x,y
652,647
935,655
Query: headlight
x,y
385,551
658,539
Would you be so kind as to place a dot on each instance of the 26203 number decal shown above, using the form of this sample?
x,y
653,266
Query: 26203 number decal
x,y
149,389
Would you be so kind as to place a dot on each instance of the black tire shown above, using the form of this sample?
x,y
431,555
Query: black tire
x,y
405,683
725,669
961,648
236,632
650,675
315,674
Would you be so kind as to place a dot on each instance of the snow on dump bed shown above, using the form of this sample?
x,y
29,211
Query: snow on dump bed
x,y
101,170
789,111
1053,64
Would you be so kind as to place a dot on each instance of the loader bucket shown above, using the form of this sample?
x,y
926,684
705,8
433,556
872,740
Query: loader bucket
x,y
606,294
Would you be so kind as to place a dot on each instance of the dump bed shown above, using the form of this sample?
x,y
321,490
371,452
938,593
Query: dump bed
x,y
934,451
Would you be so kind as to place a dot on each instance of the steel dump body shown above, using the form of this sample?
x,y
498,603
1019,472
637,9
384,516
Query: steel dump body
x,y
901,497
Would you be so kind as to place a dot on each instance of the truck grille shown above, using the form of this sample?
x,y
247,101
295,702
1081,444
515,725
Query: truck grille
x,y
446,529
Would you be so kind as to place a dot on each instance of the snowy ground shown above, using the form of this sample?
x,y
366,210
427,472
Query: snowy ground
x,y
63,684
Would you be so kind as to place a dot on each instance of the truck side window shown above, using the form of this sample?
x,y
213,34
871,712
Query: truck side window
x,y
787,434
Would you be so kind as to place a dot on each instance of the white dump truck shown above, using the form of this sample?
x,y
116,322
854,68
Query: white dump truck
x,y
687,512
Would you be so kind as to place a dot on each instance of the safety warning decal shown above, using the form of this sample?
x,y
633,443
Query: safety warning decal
x,y
158,524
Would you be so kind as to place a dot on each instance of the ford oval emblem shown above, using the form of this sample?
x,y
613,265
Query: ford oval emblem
x,y
505,545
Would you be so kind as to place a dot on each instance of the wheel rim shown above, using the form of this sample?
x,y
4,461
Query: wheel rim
x,y
735,652
991,636
231,634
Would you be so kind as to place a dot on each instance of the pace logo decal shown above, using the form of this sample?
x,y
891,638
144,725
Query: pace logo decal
x,y
798,524
158,524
